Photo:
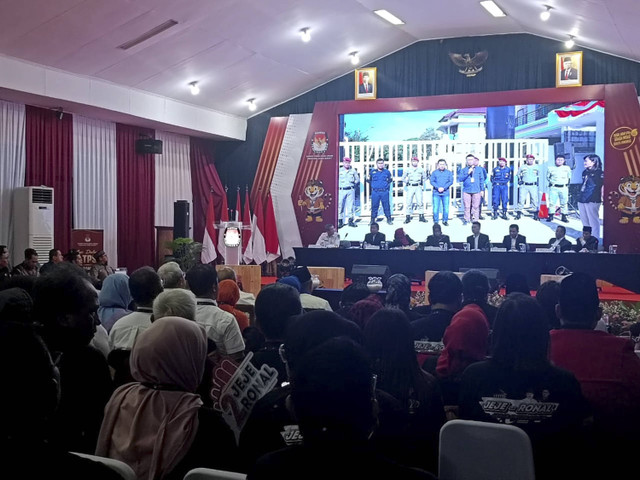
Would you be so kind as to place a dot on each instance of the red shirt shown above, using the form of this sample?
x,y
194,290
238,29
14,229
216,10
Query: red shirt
x,y
606,367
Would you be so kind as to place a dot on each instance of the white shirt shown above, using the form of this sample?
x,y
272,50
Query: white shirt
x,y
556,243
311,302
125,331
221,327
325,240
100,341
513,243
246,298
475,241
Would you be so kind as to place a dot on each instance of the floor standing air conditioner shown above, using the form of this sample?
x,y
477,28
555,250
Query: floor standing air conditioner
x,y
33,222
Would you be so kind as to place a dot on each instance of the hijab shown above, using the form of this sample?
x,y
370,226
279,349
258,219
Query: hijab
x,y
151,424
363,310
114,300
401,237
291,281
228,296
466,341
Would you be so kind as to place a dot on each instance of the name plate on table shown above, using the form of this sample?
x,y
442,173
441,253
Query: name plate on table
x,y
498,249
544,250
432,249
372,247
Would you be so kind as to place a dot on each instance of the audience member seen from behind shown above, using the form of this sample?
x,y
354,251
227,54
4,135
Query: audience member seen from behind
x,y
276,305
466,341
28,450
309,301
548,296
5,270
334,399
271,425
228,273
157,425
65,306
55,257
389,341
516,282
399,295
228,296
171,275
605,365
362,311
475,290
445,298
29,266
352,293
285,267
115,300
15,305
221,326
175,302
519,386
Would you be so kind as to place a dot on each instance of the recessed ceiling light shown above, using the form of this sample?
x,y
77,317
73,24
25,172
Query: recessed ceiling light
x,y
544,16
570,43
305,34
355,58
195,89
389,17
491,7
252,104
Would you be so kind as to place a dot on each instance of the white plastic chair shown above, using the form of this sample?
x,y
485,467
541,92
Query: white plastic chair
x,y
119,467
210,474
472,450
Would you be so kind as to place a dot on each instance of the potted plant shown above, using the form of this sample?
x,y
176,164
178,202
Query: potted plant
x,y
186,252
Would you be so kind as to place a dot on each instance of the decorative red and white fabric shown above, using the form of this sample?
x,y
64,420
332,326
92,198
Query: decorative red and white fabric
x,y
272,244
209,253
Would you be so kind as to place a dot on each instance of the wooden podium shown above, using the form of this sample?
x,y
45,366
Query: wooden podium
x,y
249,275
331,277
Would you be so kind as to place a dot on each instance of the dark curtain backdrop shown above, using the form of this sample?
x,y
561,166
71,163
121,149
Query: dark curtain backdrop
x,y
515,62
136,190
204,178
49,162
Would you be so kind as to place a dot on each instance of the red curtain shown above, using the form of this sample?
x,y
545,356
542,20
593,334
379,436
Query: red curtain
x,y
204,179
136,198
49,158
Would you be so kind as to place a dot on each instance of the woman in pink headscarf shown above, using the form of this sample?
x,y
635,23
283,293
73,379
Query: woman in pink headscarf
x,y
157,425
401,239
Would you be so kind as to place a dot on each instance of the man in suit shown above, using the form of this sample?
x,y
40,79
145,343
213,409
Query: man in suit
x,y
559,242
567,72
587,242
374,237
514,239
365,86
437,238
478,241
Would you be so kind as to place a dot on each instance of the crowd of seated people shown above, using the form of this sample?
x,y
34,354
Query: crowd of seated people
x,y
130,372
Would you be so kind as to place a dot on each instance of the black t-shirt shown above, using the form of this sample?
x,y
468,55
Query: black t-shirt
x,y
547,404
335,462
269,355
431,328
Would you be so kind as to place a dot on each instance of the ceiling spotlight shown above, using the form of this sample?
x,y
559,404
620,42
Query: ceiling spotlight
x,y
252,104
305,34
544,16
195,89
570,43
355,58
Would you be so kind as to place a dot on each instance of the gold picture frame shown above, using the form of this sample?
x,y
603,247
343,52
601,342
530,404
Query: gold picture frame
x,y
366,83
569,69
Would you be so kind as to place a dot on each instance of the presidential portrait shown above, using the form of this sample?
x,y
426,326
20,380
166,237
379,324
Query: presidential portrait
x,y
569,69
366,86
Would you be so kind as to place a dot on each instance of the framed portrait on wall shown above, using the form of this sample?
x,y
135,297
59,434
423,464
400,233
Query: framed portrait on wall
x,y
366,80
569,69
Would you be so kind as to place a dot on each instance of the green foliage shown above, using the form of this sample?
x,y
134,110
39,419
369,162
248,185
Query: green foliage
x,y
620,315
186,252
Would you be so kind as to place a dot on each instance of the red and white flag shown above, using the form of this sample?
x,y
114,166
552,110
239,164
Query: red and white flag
x,y
238,210
247,247
209,253
257,233
224,217
272,245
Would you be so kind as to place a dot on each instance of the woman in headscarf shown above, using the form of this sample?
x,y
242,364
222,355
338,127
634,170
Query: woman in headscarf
x,y
228,296
401,239
399,295
363,310
114,300
157,424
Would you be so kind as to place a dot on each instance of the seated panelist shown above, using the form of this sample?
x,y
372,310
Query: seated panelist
x,y
374,237
437,238
514,240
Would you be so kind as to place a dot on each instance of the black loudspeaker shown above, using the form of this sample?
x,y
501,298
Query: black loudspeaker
x,y
149,145
361,273
181,219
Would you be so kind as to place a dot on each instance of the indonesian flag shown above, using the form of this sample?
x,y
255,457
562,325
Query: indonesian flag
x,y
247,247
209,253
271,232
257,233
238,206
224,217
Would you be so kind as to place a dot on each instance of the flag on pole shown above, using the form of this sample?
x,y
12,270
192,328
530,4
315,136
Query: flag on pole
x,y
224,217
238,206
209,253
247,247
257,233
272,244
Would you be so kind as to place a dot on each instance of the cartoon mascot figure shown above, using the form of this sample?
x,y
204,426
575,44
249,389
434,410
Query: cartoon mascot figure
x,y
314,203
628,199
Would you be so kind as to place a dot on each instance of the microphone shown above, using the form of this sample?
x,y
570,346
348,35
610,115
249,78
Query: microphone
x,y
346,235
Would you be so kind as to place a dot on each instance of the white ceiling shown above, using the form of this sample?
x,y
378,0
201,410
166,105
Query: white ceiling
x,y
239,49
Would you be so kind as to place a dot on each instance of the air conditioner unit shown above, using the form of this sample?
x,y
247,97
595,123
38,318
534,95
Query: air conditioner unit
x,y
33,222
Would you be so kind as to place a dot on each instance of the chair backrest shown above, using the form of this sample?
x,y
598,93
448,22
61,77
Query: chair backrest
x,y
117,466
250,310
209,474
472,450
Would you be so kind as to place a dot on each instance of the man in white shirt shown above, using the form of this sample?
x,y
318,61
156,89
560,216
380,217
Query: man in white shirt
x,y
559,243
228,273
329,238
145,285
221,327
308,301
